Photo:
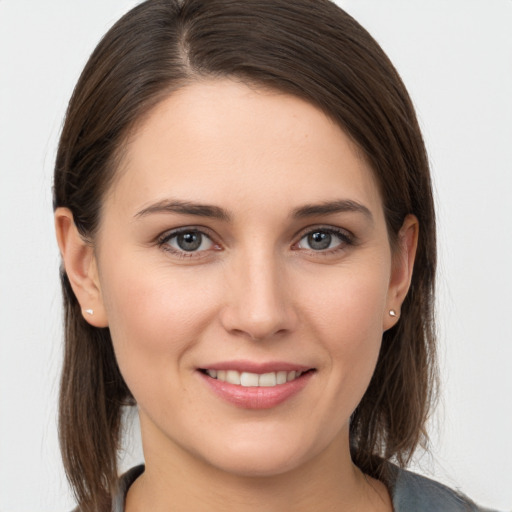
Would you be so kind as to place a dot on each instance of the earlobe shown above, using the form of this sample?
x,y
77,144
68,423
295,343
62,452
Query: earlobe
x,y
401,272
81,268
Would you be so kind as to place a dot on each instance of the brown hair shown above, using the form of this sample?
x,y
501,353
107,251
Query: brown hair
x,y
308,48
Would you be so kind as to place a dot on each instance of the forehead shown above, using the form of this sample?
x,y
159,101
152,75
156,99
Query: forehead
x,y
226,142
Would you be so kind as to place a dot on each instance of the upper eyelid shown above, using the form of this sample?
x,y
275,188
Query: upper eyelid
x,y
167,235
322,227
346,237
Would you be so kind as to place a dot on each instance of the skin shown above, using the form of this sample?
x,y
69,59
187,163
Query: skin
x,y
256,290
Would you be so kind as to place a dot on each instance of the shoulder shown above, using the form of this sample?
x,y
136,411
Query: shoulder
x,y
415,492
124,484
125,481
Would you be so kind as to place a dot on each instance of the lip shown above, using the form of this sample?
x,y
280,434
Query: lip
x,y
260,397
256,367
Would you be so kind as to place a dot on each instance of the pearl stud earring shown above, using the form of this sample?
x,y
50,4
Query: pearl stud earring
x,y
89,311
392,313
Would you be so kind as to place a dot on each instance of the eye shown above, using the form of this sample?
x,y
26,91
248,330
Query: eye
x,y
186,241
324,239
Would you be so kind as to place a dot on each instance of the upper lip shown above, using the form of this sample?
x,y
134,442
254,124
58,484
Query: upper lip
x,y
256,367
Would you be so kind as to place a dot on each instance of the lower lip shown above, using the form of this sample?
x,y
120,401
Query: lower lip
x,y
258,397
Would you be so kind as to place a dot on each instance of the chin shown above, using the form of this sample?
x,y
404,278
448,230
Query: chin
x,y
263,455
259,464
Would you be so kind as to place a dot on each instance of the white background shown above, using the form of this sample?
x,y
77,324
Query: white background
x,y
455,56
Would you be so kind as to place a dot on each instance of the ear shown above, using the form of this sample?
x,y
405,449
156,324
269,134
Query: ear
x,y
81,268
402,267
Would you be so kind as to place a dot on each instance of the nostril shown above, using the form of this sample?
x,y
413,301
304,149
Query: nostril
x,y
254,335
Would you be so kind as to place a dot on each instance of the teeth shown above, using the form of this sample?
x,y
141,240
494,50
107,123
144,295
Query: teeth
x,y
248,379
281,377
233,377
268,379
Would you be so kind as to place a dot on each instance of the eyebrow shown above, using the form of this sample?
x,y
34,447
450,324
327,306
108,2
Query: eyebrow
x,y
331,207
215,212
185,208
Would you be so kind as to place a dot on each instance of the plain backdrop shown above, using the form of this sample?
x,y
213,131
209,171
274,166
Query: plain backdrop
x,y
455,57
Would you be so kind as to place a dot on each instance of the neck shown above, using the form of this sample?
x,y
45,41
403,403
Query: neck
x,y
176,480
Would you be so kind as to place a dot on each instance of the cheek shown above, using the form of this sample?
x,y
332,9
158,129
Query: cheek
x,y
154,316
346,313
350,303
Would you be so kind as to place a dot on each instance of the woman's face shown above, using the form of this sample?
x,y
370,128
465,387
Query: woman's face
x,y
246,277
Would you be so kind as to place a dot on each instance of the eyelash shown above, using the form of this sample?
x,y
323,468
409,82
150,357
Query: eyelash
x,y
346,239
164,239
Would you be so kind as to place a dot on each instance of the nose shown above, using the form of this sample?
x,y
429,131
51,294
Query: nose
x,y
259,304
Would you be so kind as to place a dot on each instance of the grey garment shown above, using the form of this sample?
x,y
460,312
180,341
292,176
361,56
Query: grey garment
x,y
415,493
410,493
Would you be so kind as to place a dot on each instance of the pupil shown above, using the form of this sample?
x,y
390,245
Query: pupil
x,y
319,240
189,241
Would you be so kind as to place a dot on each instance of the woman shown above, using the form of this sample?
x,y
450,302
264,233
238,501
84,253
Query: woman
x,y
241,195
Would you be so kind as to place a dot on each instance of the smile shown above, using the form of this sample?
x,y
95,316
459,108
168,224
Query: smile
x,y
248,379
254,386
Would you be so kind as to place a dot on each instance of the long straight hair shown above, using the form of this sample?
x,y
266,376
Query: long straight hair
x,y
308,48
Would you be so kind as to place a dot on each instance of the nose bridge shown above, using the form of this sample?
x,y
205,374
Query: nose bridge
x,y
259,303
